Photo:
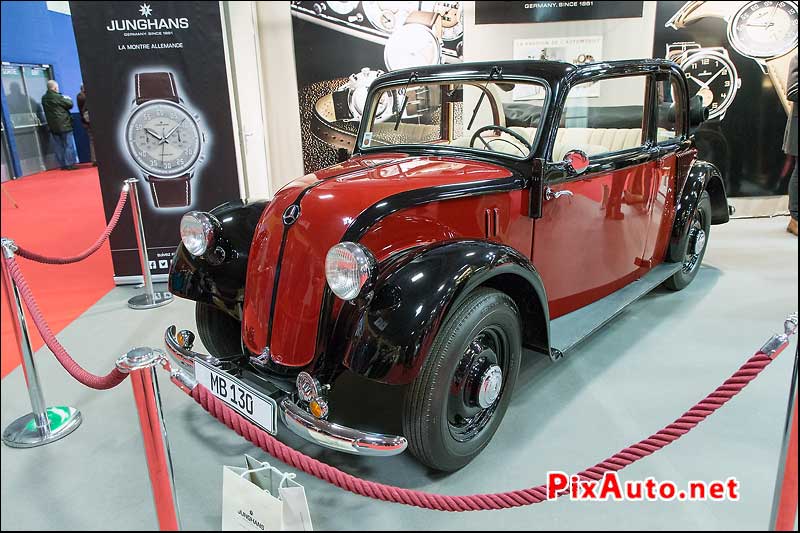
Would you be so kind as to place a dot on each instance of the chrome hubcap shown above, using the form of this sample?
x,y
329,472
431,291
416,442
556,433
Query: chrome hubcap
x,y
699,242
491,383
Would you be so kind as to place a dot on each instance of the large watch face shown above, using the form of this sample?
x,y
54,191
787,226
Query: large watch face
x,y
412,45
764,29
450,13
163,139
712,76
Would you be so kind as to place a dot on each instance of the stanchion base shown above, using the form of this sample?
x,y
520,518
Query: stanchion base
x,y
22,432
144,301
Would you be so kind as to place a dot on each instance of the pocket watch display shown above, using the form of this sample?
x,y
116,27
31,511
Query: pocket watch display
x,y
765,31
163,138
711,75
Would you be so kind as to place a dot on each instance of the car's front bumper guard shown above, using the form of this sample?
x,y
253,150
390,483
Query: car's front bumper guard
x,y
297,419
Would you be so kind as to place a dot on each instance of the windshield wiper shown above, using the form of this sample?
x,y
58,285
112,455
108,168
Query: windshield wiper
x,y
405,100
496,71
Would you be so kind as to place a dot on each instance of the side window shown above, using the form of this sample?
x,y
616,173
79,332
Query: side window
x,y
603,117
669,110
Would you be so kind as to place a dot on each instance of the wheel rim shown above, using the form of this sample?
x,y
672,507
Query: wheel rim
x,y
478,384
696,244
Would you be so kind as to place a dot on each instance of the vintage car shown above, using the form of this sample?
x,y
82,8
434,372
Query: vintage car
x,y
489,212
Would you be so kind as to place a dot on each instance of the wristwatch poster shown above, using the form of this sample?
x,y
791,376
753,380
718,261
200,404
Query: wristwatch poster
x,y
340,50
711,75
164,139
764,31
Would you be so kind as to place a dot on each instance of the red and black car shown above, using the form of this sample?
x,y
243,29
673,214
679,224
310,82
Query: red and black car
x,y
496,211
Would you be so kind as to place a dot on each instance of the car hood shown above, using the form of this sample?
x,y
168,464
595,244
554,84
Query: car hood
x,y
286,274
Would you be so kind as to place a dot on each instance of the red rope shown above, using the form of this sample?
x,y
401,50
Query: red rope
x,y
33,256
480,502
112,379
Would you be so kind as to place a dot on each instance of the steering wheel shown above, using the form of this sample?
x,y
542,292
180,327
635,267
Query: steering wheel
x,y
517,136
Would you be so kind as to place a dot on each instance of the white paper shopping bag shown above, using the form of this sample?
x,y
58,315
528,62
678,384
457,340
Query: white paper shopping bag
x,y
262,498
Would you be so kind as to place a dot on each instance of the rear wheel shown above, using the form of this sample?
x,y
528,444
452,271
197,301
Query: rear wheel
x,y
456,403
221,333
695,246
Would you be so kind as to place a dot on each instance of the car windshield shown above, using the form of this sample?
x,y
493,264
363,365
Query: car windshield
x,y
496,116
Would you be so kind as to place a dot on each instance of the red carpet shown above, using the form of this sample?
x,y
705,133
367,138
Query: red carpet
x,y
60,213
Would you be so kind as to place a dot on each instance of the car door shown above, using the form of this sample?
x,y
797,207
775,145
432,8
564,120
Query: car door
x,y
593,229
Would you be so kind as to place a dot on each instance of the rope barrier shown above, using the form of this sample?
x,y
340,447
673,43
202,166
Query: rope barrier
x,y
481,502
110,380
39,258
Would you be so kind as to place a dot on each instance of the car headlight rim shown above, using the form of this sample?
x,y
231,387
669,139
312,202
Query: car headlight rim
x,y
349,267
198,232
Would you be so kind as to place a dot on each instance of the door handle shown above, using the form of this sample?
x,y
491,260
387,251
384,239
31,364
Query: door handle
x,y
550,194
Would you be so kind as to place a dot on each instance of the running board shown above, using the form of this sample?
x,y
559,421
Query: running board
x,y
568,331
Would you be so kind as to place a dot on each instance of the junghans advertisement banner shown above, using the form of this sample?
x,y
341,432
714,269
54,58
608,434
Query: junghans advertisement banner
x,y
341,47
736,56
518,12
157,94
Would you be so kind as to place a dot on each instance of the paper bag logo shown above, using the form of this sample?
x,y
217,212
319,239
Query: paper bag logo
x,y
144,24
249,518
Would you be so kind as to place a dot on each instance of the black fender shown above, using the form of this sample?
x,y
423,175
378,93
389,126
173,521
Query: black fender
x,y
387,335
218,276
703,176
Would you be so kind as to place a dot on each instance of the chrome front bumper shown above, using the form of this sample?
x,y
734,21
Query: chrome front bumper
x,y
298,420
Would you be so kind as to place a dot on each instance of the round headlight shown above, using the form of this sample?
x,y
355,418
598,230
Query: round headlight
x,y
197,232
348,266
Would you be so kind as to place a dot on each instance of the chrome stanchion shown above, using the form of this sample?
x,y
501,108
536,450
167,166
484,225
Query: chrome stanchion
x,y
141,364
44,424
786,485
150,298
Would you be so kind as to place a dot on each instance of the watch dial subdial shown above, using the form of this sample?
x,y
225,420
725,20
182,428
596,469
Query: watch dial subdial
x,y
714,79
163,139
388,16
764,29
451,15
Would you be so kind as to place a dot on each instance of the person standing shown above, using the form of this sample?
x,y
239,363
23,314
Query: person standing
x,y
85,120
790,143
59,121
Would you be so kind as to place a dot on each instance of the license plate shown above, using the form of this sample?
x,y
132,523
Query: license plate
x,y
245,400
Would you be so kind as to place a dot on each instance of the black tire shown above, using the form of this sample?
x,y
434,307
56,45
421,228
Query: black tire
x,y
692,259
486,318
221,333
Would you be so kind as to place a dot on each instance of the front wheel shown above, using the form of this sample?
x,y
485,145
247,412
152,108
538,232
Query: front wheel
x,y
456,403
220,332
695,246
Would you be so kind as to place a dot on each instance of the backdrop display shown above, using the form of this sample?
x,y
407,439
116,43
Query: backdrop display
x,y
157,94
341,47
518,12
736,56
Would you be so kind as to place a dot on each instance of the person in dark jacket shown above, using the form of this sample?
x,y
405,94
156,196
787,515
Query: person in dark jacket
x,y
790,142
83,109
59,121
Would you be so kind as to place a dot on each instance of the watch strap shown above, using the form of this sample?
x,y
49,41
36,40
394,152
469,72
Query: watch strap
x,y
428,19
778,70
171,192
334,106
155,86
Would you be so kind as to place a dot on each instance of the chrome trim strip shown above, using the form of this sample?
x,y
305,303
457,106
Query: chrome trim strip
x,y
340,438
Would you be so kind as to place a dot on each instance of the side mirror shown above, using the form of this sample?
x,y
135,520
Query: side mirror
x,y
576,161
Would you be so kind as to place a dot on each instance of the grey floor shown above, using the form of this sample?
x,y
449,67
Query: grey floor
x,y
638,374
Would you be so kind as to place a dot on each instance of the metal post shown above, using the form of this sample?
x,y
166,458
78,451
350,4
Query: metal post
x,y
141,364
784,499
44,424
150,298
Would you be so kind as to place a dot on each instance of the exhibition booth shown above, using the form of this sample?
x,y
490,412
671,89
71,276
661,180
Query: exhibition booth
x,y
429,265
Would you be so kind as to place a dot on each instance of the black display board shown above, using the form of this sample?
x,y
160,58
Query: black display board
x,y
157,94
519,12
745,134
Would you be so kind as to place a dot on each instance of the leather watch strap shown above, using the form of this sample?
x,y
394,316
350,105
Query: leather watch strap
x,y
778,70
334,107
426,18
328,110
156,86
171,192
